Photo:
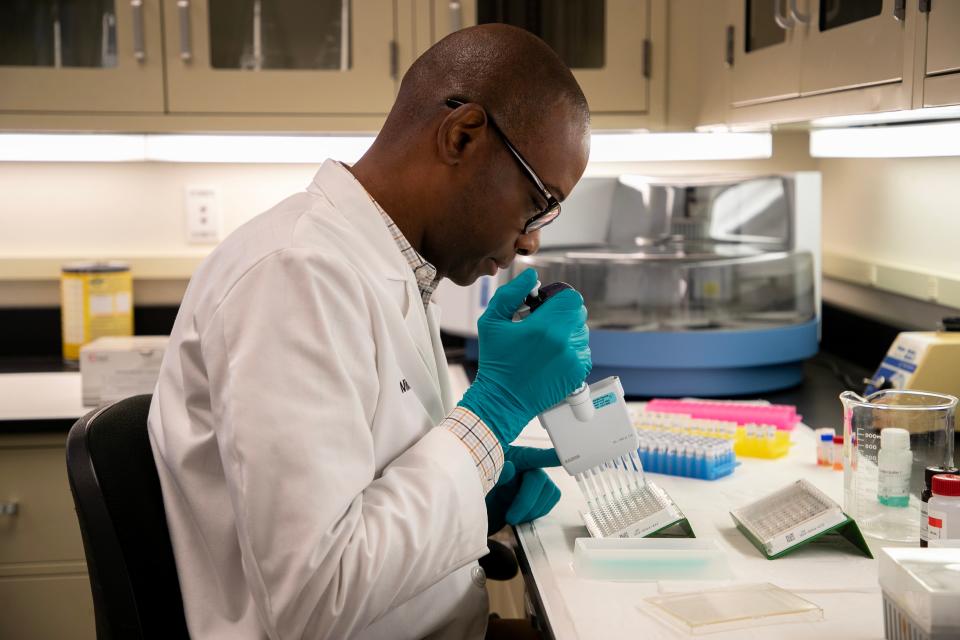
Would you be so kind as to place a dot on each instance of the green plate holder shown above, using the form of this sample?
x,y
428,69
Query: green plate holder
x,y
847,529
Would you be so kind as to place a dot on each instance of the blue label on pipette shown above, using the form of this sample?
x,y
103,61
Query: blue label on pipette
x,y
604,400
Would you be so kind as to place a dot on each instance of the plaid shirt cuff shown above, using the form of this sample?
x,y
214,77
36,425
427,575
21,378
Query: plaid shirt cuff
x,y
480,442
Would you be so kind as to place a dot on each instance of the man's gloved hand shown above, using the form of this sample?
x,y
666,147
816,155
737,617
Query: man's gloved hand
x,y
524,492
526,367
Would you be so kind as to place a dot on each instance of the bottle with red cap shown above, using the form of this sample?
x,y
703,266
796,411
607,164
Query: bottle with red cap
x,y
837,458
943,509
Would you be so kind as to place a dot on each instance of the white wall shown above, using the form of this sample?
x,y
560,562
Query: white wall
x,y
119,209
53,212
901,211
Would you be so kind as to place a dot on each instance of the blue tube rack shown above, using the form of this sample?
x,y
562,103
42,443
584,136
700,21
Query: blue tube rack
x,y
675,462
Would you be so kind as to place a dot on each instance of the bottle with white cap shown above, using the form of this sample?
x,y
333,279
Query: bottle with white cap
x,y
895,462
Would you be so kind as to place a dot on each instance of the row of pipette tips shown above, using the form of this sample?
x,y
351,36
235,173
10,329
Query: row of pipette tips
x,y
616,492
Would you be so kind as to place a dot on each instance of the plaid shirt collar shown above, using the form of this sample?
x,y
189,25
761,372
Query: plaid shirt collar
x,y
423,271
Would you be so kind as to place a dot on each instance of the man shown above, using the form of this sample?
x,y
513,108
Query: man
x,y
318,481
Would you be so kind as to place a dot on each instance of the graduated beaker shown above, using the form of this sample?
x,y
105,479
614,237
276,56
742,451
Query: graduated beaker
x,y
929,420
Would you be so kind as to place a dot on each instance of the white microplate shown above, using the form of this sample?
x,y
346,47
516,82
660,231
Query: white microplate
x,y
788,516
730,608
647,559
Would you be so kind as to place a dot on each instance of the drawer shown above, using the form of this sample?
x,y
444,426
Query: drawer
x,y
46,608
45,528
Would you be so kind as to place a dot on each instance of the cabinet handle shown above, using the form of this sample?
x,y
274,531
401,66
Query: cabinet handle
x,y
729,49
345,47
781,17
802,18
456,16
183,10
138,50
899,10
9,508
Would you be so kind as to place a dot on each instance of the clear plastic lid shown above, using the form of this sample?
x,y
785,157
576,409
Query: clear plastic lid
x,y
731,608
693,287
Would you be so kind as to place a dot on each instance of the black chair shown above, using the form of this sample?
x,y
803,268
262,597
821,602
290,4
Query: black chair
x,y
116,491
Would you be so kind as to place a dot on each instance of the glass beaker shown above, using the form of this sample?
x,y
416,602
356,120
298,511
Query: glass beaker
x,y
929,419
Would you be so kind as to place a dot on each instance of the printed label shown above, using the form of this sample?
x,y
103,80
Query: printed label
x,y
936,525
924,532
604,400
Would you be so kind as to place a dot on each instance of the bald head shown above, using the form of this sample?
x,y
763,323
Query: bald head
x,y
463,179
514,74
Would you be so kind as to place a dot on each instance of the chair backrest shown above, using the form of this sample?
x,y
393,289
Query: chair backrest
x,y
119,504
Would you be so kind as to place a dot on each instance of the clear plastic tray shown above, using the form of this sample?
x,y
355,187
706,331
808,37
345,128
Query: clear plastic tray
x,y
647,559
729,608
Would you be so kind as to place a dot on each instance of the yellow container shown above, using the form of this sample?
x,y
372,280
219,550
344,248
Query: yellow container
x,y
96,299
758,445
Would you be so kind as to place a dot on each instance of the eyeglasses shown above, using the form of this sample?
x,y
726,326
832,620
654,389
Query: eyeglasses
x,y
550,212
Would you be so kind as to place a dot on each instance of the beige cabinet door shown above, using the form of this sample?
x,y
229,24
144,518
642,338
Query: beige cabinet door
x,y
312,57
853,44
767,52
941,82
943,38
97,55
602,41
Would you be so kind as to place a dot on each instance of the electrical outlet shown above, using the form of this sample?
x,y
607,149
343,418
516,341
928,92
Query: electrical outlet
x,y
203,215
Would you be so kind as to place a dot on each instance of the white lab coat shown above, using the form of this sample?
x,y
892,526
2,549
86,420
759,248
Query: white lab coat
x,y
307,491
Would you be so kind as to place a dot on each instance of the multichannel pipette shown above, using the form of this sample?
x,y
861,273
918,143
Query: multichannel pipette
x,y
597,444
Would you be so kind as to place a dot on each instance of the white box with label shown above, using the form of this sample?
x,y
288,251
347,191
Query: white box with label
x,y
116,367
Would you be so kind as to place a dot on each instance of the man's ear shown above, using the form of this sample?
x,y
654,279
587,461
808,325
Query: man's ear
x,y
459,132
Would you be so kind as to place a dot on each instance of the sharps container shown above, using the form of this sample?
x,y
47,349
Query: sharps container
x,y
928,420
96,299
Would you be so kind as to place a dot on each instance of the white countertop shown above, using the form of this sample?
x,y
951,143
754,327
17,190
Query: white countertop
x,y
41,396
843,583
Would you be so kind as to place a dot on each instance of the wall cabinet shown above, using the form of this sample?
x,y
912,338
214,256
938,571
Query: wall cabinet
x,y
607,43
795,60
272,57
941,68
101,56
293,65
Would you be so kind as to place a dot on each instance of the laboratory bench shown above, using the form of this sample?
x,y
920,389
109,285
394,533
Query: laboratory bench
x,y
833,576
42,559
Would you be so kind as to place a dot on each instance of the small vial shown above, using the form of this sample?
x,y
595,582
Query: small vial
x,y
825,448
837,457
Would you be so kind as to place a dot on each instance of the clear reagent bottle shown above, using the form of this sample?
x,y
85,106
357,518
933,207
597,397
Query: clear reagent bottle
x,y
895,462
943,511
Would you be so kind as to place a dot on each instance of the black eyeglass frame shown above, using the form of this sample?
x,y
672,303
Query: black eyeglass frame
x,y
550,212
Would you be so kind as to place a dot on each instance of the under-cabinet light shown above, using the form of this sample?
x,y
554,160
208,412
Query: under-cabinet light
x,y
312,149
888,117
659,147
255,148
901,141
72,147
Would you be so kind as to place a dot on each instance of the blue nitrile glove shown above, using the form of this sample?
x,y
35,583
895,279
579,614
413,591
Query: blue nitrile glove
x,y
526,367
524,492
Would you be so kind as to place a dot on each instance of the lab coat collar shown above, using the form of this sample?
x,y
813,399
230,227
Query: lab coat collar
x,y
428,373
348,196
